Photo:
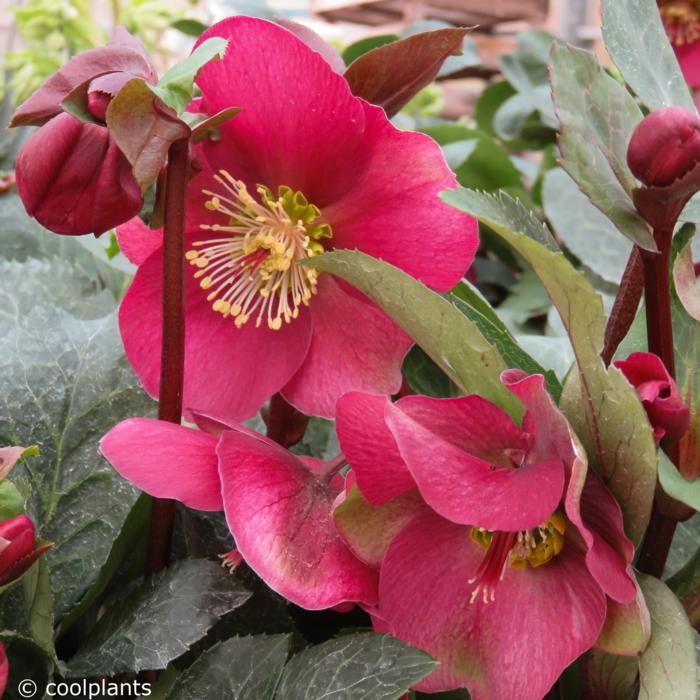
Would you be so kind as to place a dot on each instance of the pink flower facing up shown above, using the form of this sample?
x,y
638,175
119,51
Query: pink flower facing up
x,y
71,175
668,414
305,167
277,505
498,552
682,21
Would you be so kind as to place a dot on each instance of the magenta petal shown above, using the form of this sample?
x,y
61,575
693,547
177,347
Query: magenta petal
x,y
280,517
688,57
308,123
354,347
73,179
166,460
315,42
511,649
467,489
229,372
389,208
598,517
370,448
137,241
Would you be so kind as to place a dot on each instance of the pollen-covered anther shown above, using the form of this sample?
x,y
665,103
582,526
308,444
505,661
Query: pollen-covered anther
x,y
682,20
533,547
253,270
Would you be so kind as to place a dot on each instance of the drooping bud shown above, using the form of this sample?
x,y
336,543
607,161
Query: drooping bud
x,y
665,146
664,154
668,414
19,548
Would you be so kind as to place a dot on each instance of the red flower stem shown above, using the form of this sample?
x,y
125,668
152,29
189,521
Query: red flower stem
x,y
625,307
173,348
657,297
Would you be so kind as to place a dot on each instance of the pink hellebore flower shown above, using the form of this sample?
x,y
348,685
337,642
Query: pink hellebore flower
x,y
277,505
498,552
19,548
305,167
668,414
71,175
682,21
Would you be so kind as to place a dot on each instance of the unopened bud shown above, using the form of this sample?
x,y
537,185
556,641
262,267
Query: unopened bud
x,y
665,146
662,401
18,548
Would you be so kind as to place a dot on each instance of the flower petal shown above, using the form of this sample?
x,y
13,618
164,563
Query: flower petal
x,y
137,241
511,649
229,372
370,448
166,460
280,517
307,123
354,347
73,179
627,627
393,212
597,515
466,488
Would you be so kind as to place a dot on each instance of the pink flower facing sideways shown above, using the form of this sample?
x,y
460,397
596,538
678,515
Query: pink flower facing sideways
x,y
497,551
304,167
277,505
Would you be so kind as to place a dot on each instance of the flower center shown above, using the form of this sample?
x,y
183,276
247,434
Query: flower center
x,y
519,549
252,270
682,20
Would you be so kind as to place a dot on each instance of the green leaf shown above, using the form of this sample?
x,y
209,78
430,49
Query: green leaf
x,y
667,669
27,661
361,47
597,117
585,230
526,70
191,27
22,238
358,666
685,281
39,603
11,501
319,440
502,339
176,86
685,490
425,377
608,677
488,167
447,336
160,620
613,425
126,542
241,668
63,383
636,41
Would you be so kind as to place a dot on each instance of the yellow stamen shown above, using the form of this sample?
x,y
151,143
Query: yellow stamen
x,y
253,270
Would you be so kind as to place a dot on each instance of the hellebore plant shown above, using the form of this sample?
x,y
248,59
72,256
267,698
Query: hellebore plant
x,y
481,523
270,195
71,175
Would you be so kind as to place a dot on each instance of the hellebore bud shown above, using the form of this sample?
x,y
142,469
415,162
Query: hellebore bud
x,y
662,401
664,154
18,548
71,175
664,146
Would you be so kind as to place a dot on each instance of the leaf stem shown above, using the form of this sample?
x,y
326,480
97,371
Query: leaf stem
x,y
173,347
657,298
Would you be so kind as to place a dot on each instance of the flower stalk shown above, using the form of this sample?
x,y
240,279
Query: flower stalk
x,y
173,347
